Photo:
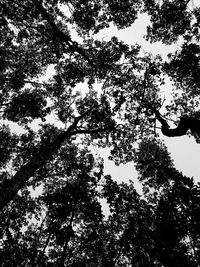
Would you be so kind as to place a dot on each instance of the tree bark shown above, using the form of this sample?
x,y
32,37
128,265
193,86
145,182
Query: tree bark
x,y
9,189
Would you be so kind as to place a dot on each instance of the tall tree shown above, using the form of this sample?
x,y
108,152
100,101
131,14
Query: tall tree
x,y
64,90
175,199
65,225
38,36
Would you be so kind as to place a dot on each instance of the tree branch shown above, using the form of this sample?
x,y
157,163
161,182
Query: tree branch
x,y
180,130
9,189
61,35
91,131
185,124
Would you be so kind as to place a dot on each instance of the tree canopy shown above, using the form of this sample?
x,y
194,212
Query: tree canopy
x,y
65,89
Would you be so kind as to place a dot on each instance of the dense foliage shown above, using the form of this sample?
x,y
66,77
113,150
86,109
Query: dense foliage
x,y
65,90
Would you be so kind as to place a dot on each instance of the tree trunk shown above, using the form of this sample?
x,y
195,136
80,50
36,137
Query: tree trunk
x,y
9,188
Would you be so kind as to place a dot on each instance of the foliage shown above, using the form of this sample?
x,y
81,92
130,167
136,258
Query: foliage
x,y
65,225
66,90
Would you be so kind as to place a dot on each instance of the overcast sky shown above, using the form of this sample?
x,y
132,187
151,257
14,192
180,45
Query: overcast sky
x,y
184,150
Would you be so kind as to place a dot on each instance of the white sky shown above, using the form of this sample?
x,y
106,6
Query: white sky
x,y
184,150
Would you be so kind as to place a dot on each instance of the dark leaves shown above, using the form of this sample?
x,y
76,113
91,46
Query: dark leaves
x,y
8,142
27,105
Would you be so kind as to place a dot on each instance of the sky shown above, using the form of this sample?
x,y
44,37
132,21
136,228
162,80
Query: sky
x,y
184,150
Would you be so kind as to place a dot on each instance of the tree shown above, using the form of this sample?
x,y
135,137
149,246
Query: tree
x,y
175,201
65,226
36,35
103,94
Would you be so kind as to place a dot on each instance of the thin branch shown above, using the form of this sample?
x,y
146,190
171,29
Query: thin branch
x,y
93,131
157,114
36,83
